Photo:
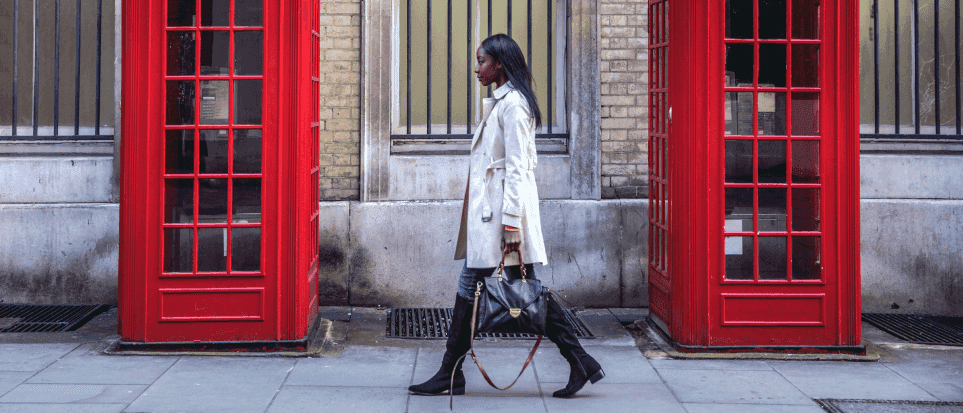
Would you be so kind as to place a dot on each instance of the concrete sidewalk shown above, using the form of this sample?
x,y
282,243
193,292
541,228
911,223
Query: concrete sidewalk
x,y
361,371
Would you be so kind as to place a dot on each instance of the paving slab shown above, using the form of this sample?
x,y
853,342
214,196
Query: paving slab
x,y
102,369
929,365
215,384
831,380
622,365
357,366
32,357
667,363
62,408
508,402
502,365
947,392
614,398
11,379
72,393
293,399
750,408
736,387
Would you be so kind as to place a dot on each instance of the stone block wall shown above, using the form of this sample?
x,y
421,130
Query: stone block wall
x,y
340,100
623,73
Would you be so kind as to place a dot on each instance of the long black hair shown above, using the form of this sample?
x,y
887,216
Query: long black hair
x,y
502,49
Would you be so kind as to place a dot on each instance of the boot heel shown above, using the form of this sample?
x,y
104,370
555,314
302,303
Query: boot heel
x,y
597,376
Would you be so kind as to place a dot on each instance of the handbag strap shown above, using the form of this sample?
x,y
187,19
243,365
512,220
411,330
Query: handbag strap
x,y
521,264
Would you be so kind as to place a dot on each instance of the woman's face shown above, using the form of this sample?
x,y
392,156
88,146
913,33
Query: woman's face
x,y
488,71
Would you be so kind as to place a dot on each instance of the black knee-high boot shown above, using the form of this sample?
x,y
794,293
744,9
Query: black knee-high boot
x,y
584,368
459,342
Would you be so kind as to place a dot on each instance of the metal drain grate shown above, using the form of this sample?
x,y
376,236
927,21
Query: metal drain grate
x,y
35,318
888,406
921,329
432,323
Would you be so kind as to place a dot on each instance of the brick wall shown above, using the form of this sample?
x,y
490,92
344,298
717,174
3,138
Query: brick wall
x,y
623,52
340,100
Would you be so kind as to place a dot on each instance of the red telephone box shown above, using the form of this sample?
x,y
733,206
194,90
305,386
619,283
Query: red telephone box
x,y
219,190
754,174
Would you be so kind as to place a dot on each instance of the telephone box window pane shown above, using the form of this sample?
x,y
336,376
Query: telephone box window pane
x,y
246,249
805,162
248,53
738,114
215,53
247,200
772,113
247,151
214,151
806,261
179,157
805,19
179,250
248,13
772,162
805,65
772,258
772,65
805,114
772,209
247,102
772,19
739,19
738,161
180,102
181,13
805,209
216,13
214,102
178,201
738,210
212,202
211,250
180,53
739,64
739,257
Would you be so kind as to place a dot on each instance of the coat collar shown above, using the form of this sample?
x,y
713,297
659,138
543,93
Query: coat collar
x,y
503,90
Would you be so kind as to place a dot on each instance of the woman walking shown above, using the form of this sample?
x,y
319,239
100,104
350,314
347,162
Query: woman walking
x,y
500,212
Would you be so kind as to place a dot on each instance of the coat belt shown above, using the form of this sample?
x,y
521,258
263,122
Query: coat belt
x,y
486,195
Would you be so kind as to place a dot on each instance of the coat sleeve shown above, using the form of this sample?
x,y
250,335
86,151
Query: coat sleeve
x,y
517,125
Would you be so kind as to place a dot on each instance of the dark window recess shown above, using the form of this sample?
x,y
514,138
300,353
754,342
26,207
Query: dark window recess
x,y
432,323
920,329
34,318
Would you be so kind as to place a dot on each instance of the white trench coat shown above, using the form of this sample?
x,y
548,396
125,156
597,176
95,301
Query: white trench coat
x,y
501,184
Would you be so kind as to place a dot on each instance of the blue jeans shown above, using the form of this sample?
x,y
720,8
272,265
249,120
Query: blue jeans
x,y
470,277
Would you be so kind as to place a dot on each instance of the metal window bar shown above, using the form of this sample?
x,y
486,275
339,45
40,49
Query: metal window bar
x,y
41,126
928,114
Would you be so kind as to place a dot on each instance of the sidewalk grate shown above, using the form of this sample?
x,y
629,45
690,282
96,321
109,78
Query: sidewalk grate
x,y
432,324
920,329
38,318
887,406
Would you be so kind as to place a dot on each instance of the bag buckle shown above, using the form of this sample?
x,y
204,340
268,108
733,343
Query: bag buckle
x,y
515,312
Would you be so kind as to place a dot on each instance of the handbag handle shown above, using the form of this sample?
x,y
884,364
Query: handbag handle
x,y
521,265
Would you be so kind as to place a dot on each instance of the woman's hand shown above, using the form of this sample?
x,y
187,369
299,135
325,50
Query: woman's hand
x,y
511,238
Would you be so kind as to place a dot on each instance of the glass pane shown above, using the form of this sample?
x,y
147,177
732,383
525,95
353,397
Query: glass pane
x,y
772,209
178,250
247,102
248,53
738,209
246,249
739,64
216,13
180,102
214,151
738,114
805,65
179,157
772,162
772,258
214,102
805,162
215,53
247,151
772,19
211,250
212,200
180,53
805,209
739,19
247,200
805,20
178,200
805,114
181,12
772,65
247,12
738,161
806,263
739,256
772,113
